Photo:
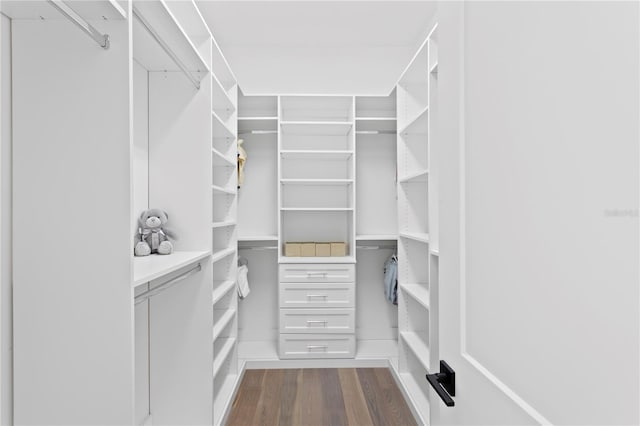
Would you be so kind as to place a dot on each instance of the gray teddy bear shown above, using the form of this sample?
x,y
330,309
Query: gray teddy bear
x,y
151,236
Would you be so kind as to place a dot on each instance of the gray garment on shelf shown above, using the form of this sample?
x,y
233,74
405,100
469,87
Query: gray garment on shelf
x,y
391,279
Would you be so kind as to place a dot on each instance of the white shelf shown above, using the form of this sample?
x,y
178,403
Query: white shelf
x,y
222,322
221,288
336,259
223,224
37,10
257,118
152,267
377,237
189,16
418,292
258,125
317,123
418,347
220,97
376,118
221,356
417,124
316,209
416,395
434,69
223,399
221,254
316,181
325,128
435,251
220,128
421,237
258,350
249,238
151,55
223,190
317,154
220,160
419,176
376,349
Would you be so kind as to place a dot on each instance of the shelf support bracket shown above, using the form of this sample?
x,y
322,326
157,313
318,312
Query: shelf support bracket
x,y
166,48
101,39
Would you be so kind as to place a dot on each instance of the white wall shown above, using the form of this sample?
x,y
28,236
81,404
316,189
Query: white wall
x,y
331,70
6,321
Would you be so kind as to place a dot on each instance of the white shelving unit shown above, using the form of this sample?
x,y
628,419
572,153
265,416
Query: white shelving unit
x,y
418,224
317,170
376,233
152,138
307,190
316,198
258,227
317,167
224,233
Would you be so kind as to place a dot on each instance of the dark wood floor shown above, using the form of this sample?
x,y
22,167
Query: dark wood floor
x,y
319,397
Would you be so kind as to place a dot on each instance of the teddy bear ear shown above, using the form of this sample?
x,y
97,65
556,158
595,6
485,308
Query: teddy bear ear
x,y
143,215
166,215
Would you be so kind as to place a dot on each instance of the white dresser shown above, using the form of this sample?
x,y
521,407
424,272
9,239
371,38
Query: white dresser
x,y
317,310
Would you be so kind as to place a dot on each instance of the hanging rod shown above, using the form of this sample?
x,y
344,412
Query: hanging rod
x,y
376,247
258,248
164,286
375,132
259,132
101,39
166,48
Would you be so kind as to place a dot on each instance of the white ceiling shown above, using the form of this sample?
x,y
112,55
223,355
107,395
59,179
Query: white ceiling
x,y
350,47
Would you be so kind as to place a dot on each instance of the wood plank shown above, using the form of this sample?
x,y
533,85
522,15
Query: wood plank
x,y
369,386
268,407
355,405
244,405
395,407
291,382
309,406
334,406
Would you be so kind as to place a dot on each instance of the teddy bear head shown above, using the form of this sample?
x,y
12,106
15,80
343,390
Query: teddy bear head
x,y
153,218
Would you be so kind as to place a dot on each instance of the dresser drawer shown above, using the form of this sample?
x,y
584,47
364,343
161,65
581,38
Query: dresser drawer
x,y
317,295
320,272
317,346
317,321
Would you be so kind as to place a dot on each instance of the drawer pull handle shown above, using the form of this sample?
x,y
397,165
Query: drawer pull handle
x,y
324,296
317,274
312,347
323,322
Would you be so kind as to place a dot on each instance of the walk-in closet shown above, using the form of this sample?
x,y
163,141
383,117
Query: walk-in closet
x,y
207,204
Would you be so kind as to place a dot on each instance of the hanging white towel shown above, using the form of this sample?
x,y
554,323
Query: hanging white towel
x,y
243,281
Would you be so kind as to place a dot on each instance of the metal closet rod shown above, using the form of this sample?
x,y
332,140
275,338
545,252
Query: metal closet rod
x,y
70,14
389,246
376,132
166,48
258,132
257,247
164,286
